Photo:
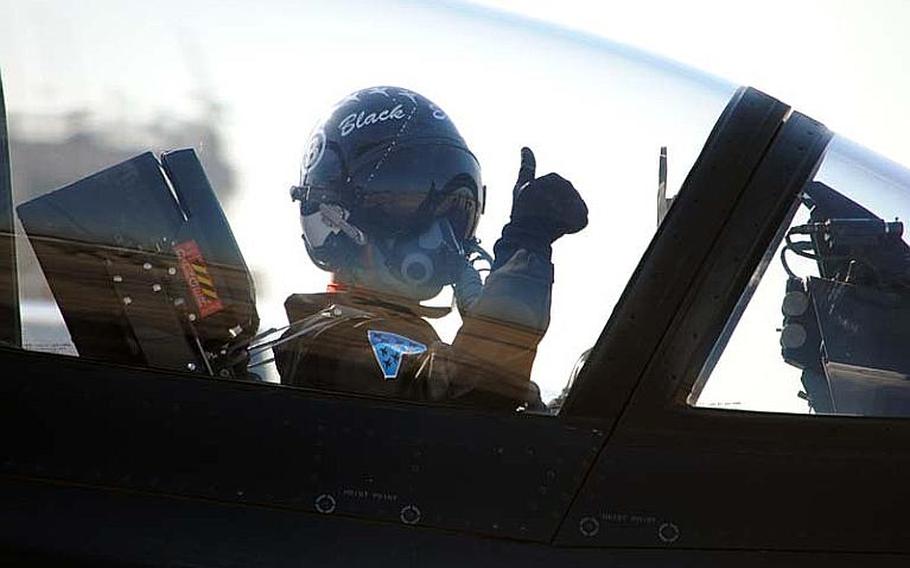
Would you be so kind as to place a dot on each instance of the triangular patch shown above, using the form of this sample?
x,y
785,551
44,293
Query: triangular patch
x,y
390,348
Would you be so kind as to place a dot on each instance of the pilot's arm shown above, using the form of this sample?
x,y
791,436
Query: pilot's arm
x,y
497,343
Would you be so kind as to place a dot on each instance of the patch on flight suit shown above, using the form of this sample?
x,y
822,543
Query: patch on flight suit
x,y
390,349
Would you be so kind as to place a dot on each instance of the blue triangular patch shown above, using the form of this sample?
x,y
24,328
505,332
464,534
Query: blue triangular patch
x,y
390,348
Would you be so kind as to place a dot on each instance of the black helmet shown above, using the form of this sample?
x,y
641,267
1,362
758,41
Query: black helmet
x,y
388,169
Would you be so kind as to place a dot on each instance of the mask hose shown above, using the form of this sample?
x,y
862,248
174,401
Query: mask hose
x,y
468,288
468,285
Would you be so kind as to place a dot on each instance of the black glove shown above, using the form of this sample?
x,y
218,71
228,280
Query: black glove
x,y
547,207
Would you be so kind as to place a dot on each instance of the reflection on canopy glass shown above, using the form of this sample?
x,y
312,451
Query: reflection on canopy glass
x,y
459,268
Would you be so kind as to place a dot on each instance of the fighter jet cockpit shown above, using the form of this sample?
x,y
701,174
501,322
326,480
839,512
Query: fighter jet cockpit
x,y
427,220
331,214
437,283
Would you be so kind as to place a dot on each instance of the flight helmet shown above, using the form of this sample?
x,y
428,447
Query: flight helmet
x,y
389,193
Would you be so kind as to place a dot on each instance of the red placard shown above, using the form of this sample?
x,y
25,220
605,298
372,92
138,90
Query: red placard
x,y
196,273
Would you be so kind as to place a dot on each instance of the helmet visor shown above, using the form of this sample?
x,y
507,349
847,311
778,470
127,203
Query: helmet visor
x,y
401,190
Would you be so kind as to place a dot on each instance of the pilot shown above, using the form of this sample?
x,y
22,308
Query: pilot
x,y
390,197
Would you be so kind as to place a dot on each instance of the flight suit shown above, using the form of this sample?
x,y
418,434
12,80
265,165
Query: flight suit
x,y
363,343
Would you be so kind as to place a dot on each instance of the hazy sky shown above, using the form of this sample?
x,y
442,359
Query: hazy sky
x,y
840,61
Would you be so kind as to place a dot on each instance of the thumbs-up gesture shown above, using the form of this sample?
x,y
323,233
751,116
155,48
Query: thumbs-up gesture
x,y
549,205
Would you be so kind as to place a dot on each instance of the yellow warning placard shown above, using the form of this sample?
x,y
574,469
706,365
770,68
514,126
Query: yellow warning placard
x,y
196,273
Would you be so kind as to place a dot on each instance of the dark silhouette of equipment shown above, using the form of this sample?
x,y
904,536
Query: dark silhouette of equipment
x,y
848,329
10,325
145,268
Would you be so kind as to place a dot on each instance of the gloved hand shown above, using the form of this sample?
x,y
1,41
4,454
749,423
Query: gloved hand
x,y
547,207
